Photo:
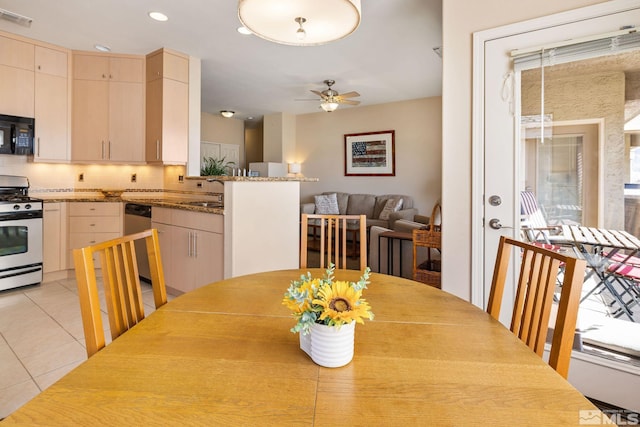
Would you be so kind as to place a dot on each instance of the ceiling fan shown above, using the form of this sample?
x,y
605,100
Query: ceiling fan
x,y
331,98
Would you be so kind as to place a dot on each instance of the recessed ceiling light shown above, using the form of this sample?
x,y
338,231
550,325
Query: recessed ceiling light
x,y
244,30
158,16
102,48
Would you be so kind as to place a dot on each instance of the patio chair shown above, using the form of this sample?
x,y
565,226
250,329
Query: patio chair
x,y
534,226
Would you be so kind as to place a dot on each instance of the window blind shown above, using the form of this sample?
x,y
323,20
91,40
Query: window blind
x,y
576,50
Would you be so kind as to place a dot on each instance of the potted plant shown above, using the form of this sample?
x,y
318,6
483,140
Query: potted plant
x,y
326,311
215,167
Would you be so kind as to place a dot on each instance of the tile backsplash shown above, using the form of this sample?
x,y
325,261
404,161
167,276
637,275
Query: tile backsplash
x,y
44,176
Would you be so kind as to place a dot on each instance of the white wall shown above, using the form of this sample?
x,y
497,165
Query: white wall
x,y
320,148
461,18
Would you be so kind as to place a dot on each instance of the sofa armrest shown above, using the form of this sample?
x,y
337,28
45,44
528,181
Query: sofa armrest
x,y
308,208
407,226
407,214
421,218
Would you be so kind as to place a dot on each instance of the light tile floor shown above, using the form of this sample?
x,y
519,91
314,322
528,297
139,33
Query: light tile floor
x,y
41,338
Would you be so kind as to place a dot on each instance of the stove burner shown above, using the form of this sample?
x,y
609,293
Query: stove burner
x,y
12,198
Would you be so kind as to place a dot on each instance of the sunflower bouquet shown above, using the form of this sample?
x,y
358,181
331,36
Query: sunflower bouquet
x,y
327,301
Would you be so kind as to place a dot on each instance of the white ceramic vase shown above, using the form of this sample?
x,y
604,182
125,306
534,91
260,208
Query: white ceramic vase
x,y
329,346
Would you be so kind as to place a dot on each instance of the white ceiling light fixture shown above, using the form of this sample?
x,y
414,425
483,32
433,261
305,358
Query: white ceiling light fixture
x,y
102,48
16,18
158,16
329,105
227,113
281,21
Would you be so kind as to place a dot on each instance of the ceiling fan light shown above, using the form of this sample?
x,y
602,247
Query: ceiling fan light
x,y
275,20
329,106
227,113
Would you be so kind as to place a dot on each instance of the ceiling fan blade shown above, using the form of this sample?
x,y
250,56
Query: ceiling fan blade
x,y
320,94
349,94
348,102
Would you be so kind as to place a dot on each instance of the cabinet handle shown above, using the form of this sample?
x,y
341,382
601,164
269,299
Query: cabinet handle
x,y
189,249
38,150
104,76
195,244
39,67
157,149
102,150
109,150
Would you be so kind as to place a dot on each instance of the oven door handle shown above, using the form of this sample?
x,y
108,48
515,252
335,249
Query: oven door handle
x,y
15,216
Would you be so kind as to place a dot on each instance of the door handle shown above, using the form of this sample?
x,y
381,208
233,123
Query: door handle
x,y
495,224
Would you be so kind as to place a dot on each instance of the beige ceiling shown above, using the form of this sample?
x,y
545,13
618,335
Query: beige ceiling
x,y
389,58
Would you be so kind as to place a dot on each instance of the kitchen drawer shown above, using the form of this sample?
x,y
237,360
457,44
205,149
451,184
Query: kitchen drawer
x,y
98,224
95,209
198,220
80,240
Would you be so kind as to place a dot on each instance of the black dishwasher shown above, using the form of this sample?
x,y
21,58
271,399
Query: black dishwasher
x,y
137,217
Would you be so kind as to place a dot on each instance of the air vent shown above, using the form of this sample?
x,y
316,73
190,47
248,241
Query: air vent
x,y
25,21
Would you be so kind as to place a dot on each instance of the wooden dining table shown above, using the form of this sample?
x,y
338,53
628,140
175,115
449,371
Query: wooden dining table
x,y
224,355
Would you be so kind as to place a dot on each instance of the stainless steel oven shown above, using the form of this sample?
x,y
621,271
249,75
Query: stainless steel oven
x,y
20,234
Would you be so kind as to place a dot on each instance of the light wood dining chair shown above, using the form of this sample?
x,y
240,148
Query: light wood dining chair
x,y
333,238
538,270
121,284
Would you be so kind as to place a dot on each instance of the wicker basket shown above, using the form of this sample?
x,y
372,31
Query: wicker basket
x,y
428,272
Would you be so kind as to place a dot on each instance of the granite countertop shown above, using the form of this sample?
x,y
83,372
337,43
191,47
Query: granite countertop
x,y
166,202
253,178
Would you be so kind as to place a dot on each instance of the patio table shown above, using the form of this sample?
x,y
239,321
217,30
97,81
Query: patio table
x,y
600,248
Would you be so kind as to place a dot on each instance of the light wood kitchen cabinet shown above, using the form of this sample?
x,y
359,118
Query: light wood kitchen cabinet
x,y
167,107
93,222
54,230
108,108
51,104
16,77
168,64
95,66
192,247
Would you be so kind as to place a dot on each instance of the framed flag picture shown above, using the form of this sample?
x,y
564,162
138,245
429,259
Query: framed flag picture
x,y
370,154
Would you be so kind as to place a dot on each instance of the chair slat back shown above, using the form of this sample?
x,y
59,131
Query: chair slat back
x,y
121,284
333,238
539,269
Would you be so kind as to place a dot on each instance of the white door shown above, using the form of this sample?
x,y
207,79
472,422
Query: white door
x,y
502,172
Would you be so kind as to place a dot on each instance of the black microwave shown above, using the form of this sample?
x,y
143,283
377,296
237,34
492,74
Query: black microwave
x,y
16,135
